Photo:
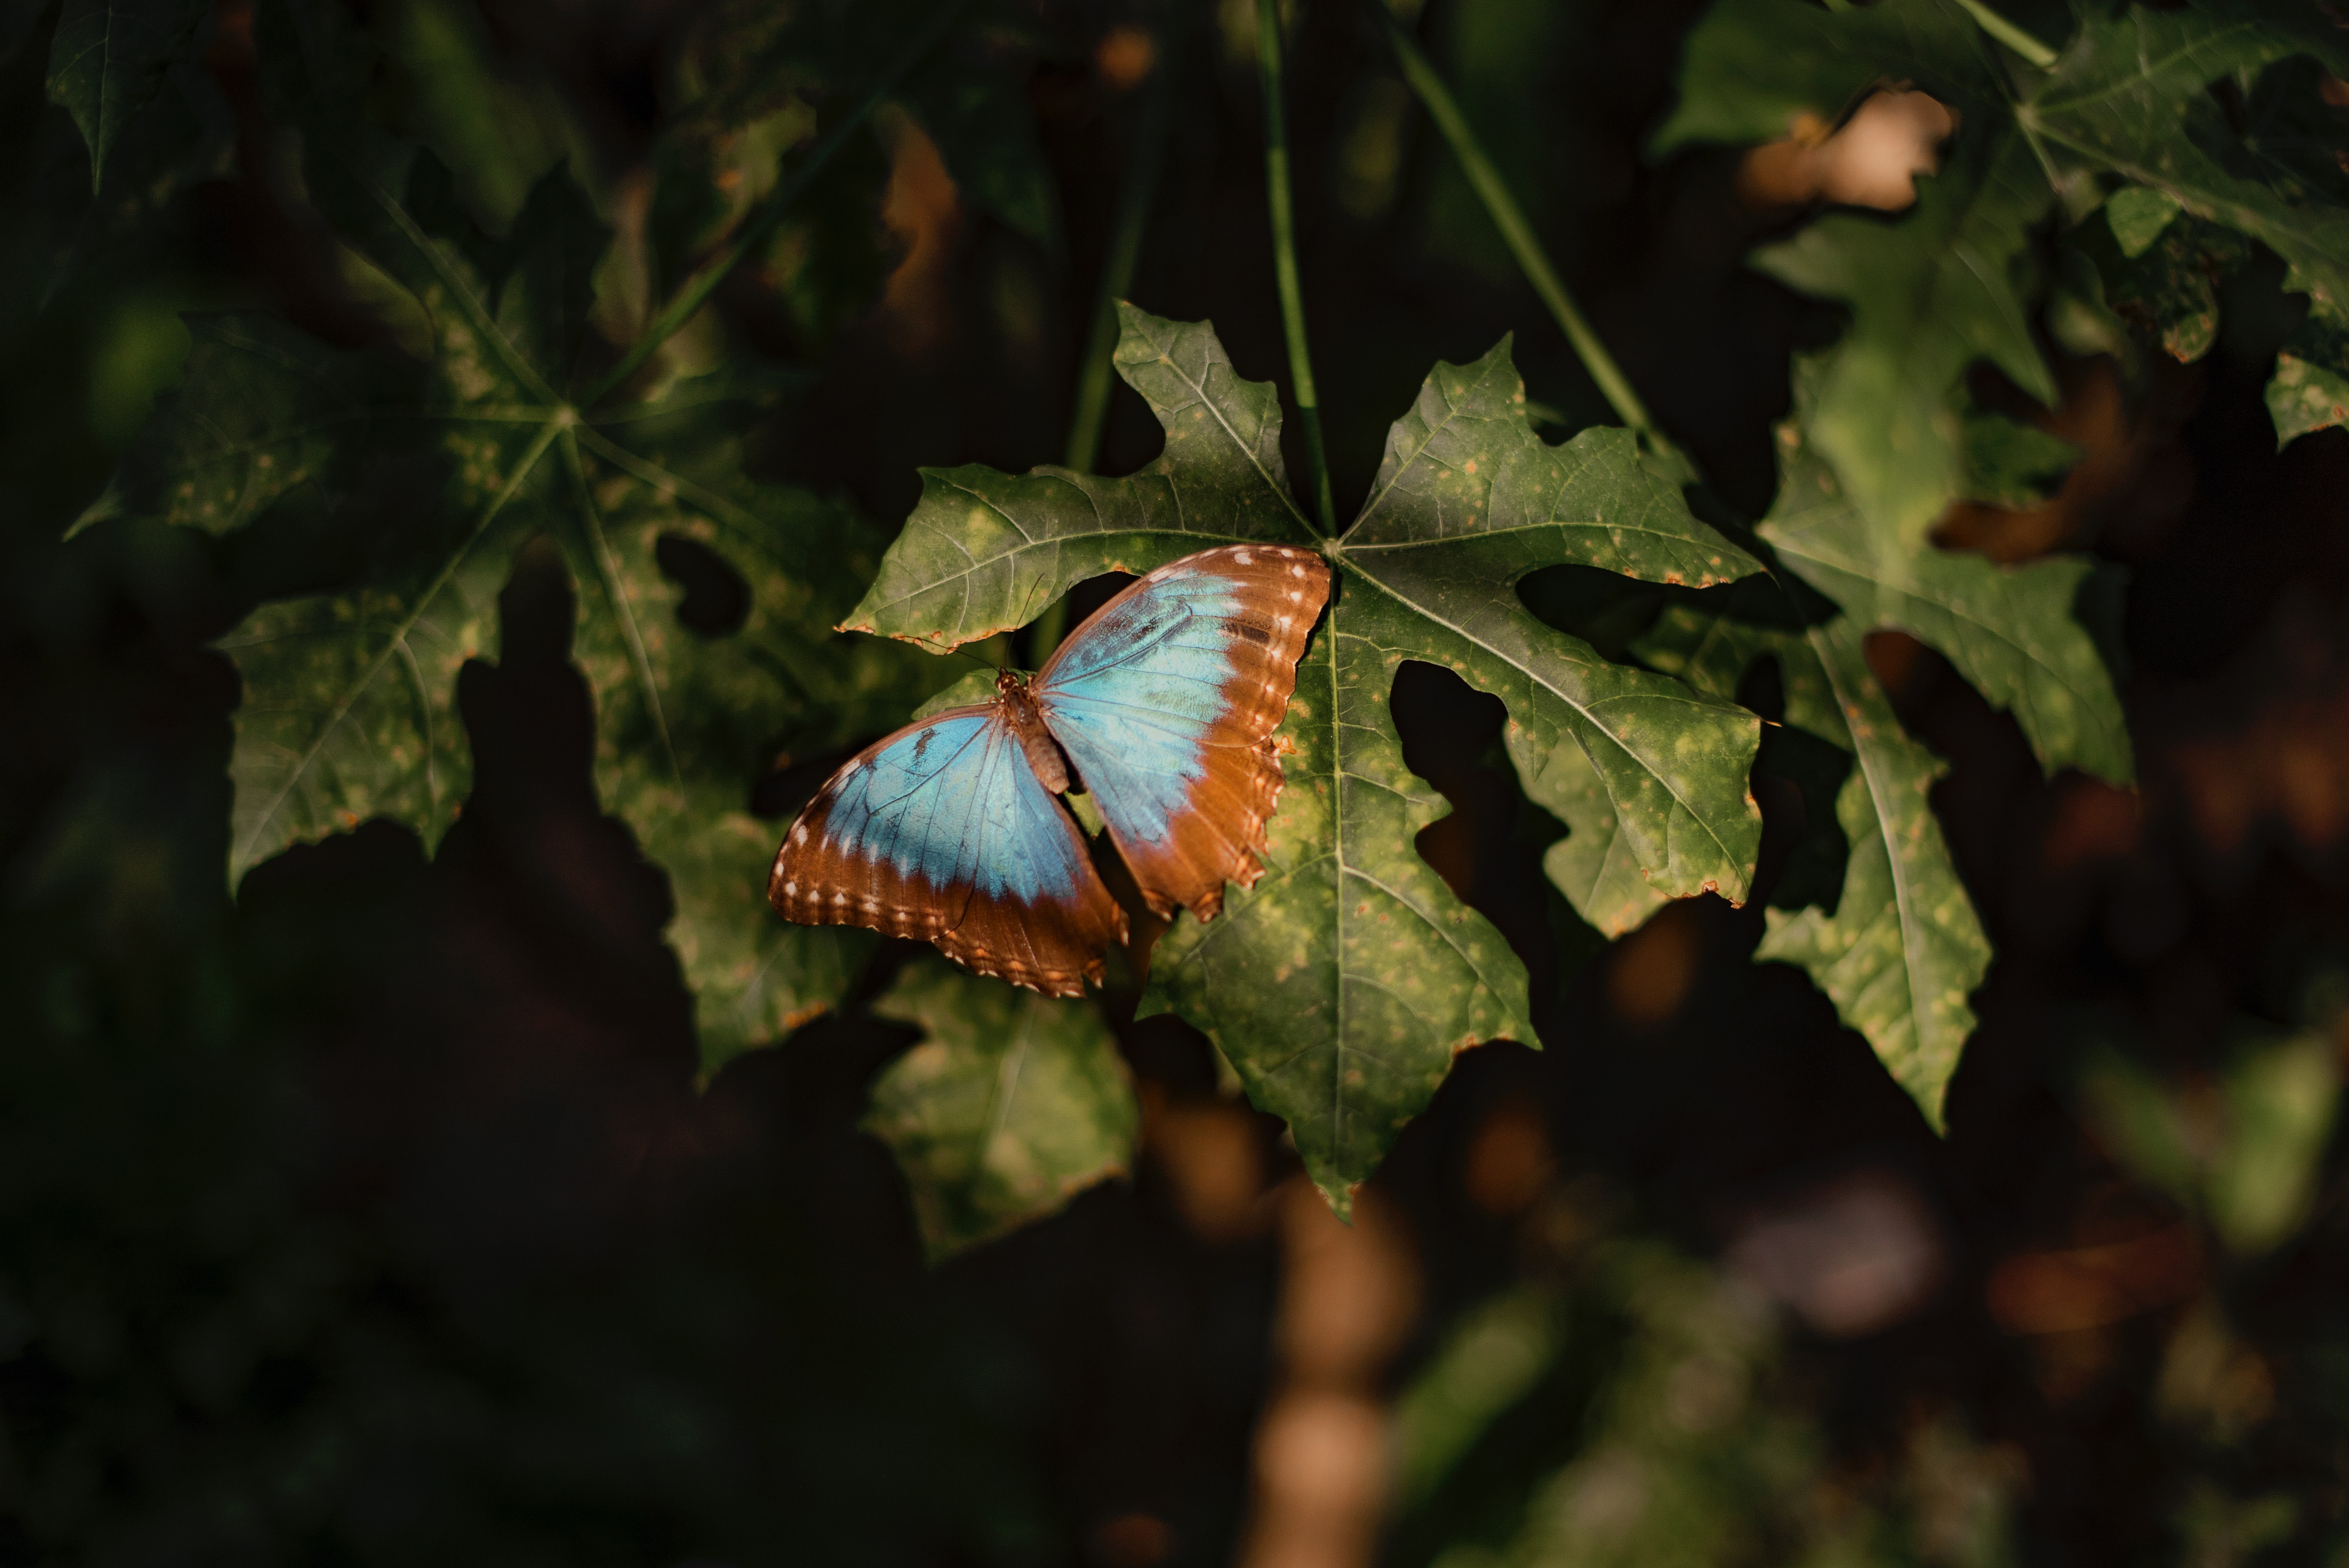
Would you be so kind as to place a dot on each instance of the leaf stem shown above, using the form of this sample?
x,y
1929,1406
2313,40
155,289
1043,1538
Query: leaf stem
x,y
1518,234
1137,192
2007,33
696,289
1284,256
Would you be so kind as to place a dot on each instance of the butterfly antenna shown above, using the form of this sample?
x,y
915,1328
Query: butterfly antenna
x,y
974,659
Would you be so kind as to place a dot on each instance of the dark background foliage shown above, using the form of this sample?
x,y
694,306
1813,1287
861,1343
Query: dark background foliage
x,y
379,1213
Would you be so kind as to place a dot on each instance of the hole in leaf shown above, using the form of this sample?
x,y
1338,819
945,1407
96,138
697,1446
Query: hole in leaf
x,y
535,608
1762,689
716,600
1451,738
1605,609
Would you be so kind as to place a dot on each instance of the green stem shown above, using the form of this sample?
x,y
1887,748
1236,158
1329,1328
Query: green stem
x,y
1135,198
2007,33
689,299
1284,256
1510,219
1135,194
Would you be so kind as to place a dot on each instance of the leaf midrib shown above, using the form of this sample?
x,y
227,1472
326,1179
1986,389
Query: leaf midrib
x,y
1279,490
1912,963
2146,72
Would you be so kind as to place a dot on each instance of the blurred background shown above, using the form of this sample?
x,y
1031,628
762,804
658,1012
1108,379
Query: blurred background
x,y
382,1211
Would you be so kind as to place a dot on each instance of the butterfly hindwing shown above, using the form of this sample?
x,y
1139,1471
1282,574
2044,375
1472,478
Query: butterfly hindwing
x,y
942,831
1165,700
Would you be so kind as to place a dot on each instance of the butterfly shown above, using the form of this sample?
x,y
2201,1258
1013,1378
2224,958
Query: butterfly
x,y
1161,705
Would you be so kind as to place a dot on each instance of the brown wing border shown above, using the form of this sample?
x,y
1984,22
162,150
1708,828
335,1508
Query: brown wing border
x,y
1224,836
1047,947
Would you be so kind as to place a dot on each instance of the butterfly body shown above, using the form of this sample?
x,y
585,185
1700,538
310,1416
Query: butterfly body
x,y
1161,707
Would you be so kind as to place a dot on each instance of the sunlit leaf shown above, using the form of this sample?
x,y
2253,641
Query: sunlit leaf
x,y
1342,986
984,552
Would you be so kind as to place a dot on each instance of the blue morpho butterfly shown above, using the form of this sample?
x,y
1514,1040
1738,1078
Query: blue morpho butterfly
x,y
1162,705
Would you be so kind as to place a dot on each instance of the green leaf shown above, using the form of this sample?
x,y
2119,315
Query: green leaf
x,y
2169,290
2128,99
107,59
1929,294
2249,1157
1013,1104
2012,464
984,552
2008,629
1342,986
2310,389
1900,948
408,484
2125,102
1754,70
2137,217
1649,779
266,412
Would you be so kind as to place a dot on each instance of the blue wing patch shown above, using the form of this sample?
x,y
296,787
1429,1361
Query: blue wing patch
x,y
1165,700
942,831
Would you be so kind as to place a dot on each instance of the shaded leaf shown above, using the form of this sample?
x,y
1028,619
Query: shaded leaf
x,y
2008,629
2126,102
1944,287
1756,70
2127,98
2137,217
1012,1104
107,59
2310,389
2012,464
2169,287
1342,986
1900,948
1903,949
414,481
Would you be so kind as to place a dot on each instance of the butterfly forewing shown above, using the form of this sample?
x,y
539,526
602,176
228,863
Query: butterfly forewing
x,y
1167,698
941,831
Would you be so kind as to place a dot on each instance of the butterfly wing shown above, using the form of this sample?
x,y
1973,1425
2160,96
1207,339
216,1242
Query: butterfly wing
x,y
1166,699
942,831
